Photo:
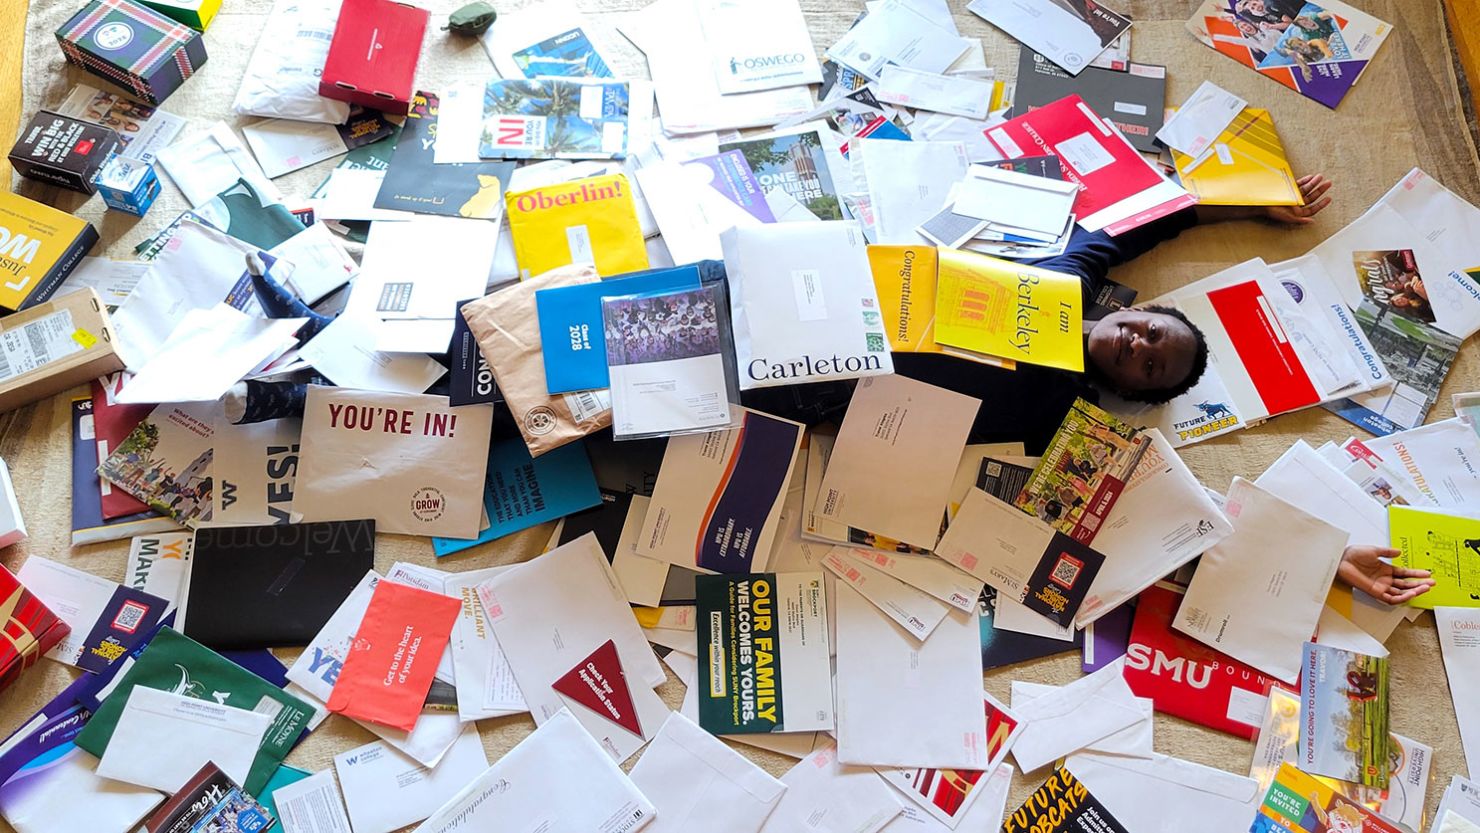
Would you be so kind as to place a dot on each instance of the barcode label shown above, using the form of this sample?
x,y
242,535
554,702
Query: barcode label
x,y
587,404
31,345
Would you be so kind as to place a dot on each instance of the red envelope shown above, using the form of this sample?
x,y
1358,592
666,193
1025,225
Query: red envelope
x,y
394,656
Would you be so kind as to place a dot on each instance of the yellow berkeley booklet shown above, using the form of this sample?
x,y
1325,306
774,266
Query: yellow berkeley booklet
x,y
1446,545
904,277
583,221
1006,309
1245,166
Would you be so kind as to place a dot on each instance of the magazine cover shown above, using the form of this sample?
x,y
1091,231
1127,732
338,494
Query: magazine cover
x,y
554,118
793,173
1317,49
786,686
1417,356
1083,472
1344,715
166,461
414,182
1390,279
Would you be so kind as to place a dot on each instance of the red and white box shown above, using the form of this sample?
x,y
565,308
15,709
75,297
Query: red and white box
x,y
373,56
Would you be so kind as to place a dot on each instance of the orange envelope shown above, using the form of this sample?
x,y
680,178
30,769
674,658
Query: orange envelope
x,y
394,656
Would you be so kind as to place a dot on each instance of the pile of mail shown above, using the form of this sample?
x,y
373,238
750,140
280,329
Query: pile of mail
x,y
561,301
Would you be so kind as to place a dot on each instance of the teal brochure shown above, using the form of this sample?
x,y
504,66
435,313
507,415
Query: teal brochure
x,y
571,332
524,491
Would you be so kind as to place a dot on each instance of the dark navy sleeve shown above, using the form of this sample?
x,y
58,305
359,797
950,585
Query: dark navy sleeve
x,y
1090,255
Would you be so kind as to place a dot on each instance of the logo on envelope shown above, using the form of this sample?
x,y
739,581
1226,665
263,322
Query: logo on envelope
x,y
599,683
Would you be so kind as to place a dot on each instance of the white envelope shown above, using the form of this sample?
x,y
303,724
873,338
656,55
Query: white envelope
x,y
935,577
163,739
800,294
1439,459
485,683
385,790
954,94
1461,650
395,283
197,269
313,263
908,183
345,353
525,29
1075,716
984,813
1134,741
349,194
690,213
826,796
551,614
792,744
758,45
895,33
1249,598
903,703
317,668
1200,120
283,146
1014,616
76,597
1161,521
1160,794
642,578
205,164
557,779
914,610
209,351
311,805
1304,479
1023,201
70,795
1461,802
670,35
696,782
1047,27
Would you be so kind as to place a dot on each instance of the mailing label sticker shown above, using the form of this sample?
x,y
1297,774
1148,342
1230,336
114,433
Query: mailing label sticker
x,y
613,137
587,404
1084,154
36,343
1005,143
578,238
1225,156
806,285
1246,707
591,101
1130,108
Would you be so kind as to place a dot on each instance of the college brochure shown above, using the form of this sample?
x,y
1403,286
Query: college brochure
x,y
1461,650
554,118
717,503
794,171
414,182
1320,50
166,461
1298,802
763,647
1083,472
1344,712
1061,805
1447,545
549,39
1011,311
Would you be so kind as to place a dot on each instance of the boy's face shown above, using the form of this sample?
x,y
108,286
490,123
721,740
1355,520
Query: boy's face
x,y
1139,350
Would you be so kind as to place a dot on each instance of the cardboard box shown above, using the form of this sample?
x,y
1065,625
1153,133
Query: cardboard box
x,y
373,56
61,150
132,46
29,628
197,14
54,346
39,248
128,185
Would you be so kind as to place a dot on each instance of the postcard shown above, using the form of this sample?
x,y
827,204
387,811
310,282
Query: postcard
x,y
535,119
1299,803
794,169
1344,712
717,503
764,652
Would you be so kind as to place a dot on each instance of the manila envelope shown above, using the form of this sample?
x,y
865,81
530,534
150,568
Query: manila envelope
x,y
394,655
410,461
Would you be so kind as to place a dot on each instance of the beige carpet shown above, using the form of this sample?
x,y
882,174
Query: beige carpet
x,y
1406,112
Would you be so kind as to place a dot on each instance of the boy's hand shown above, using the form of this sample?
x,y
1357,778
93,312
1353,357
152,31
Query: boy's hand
x,y
1313,188
1363,568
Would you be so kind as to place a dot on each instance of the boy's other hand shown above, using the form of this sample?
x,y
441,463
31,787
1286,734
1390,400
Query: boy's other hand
x,y
1313,188
1364,568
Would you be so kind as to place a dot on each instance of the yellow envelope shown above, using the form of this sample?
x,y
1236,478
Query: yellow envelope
x,y
584,221
1246,166
1006,309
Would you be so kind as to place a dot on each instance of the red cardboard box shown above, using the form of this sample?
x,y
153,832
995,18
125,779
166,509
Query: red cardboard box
x,y
28,626
372,59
